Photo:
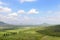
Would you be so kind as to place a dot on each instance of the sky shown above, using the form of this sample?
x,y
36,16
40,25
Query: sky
x,y
30,12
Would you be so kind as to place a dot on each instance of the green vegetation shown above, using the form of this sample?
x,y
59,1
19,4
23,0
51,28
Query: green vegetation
x,y
30,33
51,31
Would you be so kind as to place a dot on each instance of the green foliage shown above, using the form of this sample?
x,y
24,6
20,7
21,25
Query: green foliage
x,y
27,33
51,31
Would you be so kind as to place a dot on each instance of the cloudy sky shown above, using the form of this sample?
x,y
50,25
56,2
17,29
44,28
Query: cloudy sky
x,y
30,11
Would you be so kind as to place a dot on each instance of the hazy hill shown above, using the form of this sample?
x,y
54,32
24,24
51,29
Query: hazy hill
x,y
45,24
2,23
7,26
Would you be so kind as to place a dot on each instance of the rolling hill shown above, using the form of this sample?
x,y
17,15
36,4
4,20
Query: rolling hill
x,y
5,26
51,31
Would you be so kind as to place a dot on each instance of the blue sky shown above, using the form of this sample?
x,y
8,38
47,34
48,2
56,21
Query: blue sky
x,y
30,11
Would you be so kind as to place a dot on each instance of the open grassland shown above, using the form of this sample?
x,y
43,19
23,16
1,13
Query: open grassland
x,y
26,33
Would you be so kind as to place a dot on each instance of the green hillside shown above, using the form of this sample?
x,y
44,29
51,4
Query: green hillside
x,y
31,33
51,31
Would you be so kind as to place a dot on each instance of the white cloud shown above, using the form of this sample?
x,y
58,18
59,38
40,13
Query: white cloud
x,y
26,18
2,17
2,3
14,17
13,14
21,12
22,1
5,9
9,18
58,12
53,20
33,11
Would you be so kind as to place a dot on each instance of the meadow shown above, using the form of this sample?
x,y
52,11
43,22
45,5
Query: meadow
x,y
27,33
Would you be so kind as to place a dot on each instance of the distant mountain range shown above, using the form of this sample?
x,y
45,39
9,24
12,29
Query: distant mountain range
x,y
5,24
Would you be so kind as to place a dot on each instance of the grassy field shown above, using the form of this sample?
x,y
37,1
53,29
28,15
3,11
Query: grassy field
x,y
26,33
